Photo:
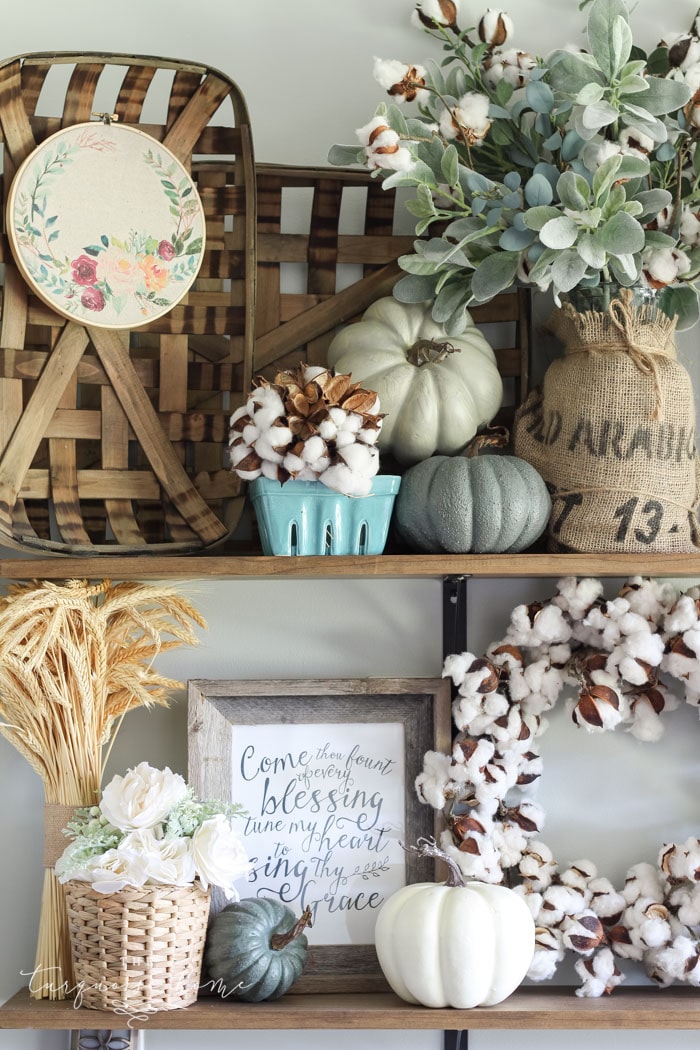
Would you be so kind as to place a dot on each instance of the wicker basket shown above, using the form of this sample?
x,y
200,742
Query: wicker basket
x,y
137,950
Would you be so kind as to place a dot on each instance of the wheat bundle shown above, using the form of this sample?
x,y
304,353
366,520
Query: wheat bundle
x,y
74,659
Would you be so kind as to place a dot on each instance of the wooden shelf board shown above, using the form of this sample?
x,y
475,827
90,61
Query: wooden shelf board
x,y
136,567
529,1008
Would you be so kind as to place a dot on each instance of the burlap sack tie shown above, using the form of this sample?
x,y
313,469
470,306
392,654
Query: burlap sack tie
x,y
623,316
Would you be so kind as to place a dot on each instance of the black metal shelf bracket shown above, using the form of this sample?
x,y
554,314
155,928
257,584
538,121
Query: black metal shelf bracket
x,y
454,640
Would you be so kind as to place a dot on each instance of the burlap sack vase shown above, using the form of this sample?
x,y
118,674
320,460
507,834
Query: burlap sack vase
x,y
612,432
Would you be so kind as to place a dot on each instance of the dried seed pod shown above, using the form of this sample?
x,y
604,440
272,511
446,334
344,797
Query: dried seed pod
x,y
594,706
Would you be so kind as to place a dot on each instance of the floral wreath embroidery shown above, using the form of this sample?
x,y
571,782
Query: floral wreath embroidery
x,y
123,270
621,656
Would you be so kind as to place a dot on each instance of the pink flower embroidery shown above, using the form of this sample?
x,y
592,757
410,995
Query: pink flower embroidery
x,y
166,250
84,270
93,299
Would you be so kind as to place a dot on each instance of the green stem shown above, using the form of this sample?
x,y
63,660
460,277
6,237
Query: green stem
x,y
279,941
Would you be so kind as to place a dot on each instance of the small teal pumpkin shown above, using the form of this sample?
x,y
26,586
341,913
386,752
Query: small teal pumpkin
x,y
488,504
256,949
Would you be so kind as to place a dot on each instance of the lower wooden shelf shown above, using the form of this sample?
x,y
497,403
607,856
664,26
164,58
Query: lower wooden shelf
x,y
528,1008
391,566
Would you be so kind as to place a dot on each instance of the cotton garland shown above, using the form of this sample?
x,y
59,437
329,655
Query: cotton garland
x,y
621,656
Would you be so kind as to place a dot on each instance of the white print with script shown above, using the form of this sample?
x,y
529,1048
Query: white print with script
x,y
326,816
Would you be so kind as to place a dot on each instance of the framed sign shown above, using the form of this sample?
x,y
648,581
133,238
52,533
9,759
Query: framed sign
x,y
325,771
106,225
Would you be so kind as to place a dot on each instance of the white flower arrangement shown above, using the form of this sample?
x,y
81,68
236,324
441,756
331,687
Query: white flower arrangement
x,y
621,657
149,829
557,171
310,424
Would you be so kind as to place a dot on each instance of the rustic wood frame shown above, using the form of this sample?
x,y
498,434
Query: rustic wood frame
x,y
422,705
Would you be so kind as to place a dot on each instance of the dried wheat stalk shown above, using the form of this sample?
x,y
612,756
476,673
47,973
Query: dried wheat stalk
x,y
74,659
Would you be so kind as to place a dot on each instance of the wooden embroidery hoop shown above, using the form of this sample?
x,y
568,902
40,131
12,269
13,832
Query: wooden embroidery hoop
x,y
95,217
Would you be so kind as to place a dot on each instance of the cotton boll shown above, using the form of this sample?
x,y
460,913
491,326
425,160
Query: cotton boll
x,y
646,724
681,860
270,470
518,687
337,415
681,960
250,433
456,666
241,412
353,422
686,901
314,450
432,782
265,449
560,901
475,755
643,880
550,625
369,435
510,843
650,597
537,865
583,932
532,899
293,464
362,459
599,975
692,639
654,966
544,965
578,875
341,478
267,416
344,438
307,474
528,815
605,900
682,616
328,430
647,921
577,596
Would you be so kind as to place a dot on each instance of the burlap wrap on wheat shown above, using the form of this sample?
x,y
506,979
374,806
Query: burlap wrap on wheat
x,y
612,432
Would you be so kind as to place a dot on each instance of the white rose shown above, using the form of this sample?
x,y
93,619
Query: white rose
x,y
167,862
117,868
219,855
142,798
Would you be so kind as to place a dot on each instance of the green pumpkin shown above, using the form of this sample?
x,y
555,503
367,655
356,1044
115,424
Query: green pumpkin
x,y
256,949
489,504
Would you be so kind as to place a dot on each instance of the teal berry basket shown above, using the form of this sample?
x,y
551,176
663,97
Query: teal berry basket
x,y
306,517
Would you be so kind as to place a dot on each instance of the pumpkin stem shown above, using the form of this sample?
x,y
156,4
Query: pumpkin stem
x,y
430,352
278,941
425,847
491,437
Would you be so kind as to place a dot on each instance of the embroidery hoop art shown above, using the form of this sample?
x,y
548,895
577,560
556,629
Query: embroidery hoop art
x,y
655,918
106,225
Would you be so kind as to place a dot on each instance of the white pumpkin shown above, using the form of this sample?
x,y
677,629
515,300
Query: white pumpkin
x,y
459,946
436,391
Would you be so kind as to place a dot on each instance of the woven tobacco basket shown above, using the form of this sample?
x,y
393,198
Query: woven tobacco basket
x,y
137,950
112,441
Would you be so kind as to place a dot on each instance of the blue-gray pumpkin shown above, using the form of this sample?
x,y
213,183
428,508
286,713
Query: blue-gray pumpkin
x,y
256,949
487,504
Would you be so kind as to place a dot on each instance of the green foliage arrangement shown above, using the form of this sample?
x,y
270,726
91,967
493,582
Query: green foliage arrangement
x,y
558,172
